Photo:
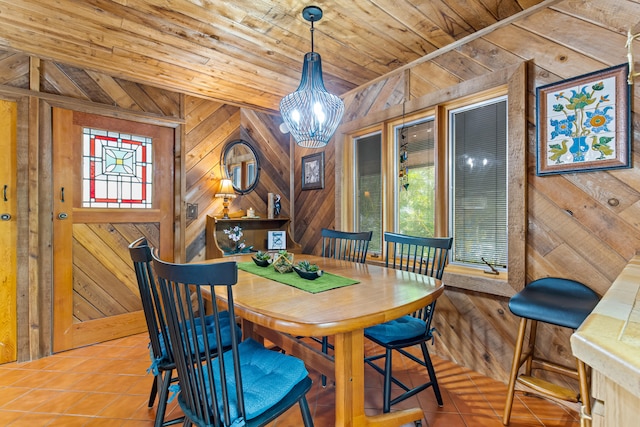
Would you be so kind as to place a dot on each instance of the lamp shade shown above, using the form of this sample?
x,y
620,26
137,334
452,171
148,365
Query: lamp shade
x,y
226,189
311,113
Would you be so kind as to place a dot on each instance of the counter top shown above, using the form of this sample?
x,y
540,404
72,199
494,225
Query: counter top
x,y
609,339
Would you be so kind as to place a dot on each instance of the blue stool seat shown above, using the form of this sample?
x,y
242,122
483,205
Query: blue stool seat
x,y
560,302
555,301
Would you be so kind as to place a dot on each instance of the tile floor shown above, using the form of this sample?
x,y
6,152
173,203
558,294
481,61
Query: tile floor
x,y
107,385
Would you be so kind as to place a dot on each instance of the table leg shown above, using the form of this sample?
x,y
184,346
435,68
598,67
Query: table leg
x,y
349,365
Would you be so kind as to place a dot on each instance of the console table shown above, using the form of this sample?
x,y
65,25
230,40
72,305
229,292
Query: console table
x,y
254,233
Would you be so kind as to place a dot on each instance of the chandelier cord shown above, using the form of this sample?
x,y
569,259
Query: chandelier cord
x,y
311,30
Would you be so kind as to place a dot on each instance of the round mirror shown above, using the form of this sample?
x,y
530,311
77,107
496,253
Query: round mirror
x,y
241,165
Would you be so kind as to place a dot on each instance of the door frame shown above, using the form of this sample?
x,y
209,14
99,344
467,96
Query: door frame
x,y
66,333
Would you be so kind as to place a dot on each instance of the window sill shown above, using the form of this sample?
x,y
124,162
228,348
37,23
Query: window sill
x,y
473,279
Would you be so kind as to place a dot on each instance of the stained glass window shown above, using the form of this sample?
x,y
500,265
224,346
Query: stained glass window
x,y
116,170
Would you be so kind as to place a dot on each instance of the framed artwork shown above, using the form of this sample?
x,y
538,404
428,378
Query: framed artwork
x,y
276,240
583,123
313,171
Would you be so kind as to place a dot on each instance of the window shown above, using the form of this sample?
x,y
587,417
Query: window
x,y
505,90
368,193
415,201
408,186
478,176
117,170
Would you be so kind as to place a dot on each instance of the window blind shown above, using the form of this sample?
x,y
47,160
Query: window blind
x,y
369,191
479,177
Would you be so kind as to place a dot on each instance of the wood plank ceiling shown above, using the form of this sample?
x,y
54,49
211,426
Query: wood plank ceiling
x,y
248,52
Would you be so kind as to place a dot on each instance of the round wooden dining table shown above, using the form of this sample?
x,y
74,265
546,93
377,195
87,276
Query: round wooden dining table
x,y
280,313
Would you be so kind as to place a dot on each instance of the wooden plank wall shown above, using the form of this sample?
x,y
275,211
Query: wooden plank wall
x,y
571,38
80,90
209,127
573,229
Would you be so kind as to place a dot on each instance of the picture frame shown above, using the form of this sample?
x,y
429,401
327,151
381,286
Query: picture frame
x,y
313,171
276,240
583,123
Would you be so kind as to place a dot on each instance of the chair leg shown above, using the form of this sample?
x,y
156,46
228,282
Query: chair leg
x,y
585,394
154,390
325,349
515,367
164,396
386,396
432,374
533,331
306,413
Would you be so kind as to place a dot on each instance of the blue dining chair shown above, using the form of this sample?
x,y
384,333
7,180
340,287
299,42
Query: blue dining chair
x,y
422,255
162,361
348,246
248,385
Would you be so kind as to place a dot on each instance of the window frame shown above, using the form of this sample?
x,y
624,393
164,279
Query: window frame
x,y
450,111
354,203
510,81
420,117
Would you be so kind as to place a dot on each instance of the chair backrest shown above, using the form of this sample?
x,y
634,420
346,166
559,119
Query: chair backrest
x,y
151,301
423,255
188,292
350,246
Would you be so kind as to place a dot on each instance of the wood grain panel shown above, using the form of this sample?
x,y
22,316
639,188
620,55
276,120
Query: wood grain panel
x,y
314,209
8,232
104,279
243,53
210,126
15,69
566,39
61,79
583,226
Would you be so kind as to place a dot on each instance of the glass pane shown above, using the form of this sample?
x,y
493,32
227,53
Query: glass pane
x,y
369,188
416,178
479,178
116,170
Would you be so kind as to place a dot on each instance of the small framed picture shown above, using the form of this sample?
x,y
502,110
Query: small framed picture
x,y
276,240
584,123
313,171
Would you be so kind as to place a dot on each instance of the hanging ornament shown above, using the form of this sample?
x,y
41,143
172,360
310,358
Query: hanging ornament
x,y
404,156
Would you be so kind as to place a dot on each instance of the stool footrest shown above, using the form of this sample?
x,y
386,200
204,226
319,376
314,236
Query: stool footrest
x,y
547,388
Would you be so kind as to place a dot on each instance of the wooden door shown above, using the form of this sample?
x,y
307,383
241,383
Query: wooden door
x,y
112,183
8,231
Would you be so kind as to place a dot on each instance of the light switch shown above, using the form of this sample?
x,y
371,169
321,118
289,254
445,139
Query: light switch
x,y
192,211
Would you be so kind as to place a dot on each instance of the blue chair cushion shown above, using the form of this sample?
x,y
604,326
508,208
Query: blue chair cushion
x,y
225,326
400,329
267,377
561,302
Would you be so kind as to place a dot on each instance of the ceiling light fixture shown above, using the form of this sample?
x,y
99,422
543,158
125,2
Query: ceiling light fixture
x,y
311,113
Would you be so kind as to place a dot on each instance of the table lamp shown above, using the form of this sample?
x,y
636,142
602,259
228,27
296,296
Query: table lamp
x,y
226,192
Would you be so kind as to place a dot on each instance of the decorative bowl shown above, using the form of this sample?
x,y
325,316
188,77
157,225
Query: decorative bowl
x,y
309,275
283,262
261,262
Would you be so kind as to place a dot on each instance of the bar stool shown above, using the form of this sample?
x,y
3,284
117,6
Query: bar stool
x,y
560,302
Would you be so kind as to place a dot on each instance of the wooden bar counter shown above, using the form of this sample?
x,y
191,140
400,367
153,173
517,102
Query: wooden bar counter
x,y
609,342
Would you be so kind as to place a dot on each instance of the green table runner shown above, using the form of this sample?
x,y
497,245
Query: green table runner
x,y
323,283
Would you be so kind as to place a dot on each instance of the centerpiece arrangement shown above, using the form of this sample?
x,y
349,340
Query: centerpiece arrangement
x,y
308,271
283,261
262,259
